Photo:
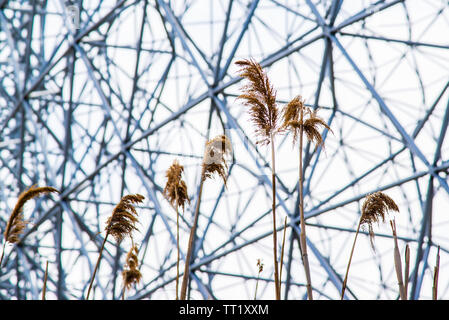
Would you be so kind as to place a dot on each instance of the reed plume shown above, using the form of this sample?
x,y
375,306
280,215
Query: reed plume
x,y
260,97
214,162
131,273
300,120
176,193
120,224
16,223
374,209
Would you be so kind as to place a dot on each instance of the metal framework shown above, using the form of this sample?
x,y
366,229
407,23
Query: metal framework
x,y
97,98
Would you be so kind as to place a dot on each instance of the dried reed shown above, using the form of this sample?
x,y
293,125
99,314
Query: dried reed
x,y
16,223
213,162
260,266
120,224
44,290
300,119
407,269
436,273
176,193
397,262
282,253
374,208
260,97
131,273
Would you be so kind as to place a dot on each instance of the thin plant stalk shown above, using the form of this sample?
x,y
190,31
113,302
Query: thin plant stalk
x,y
3,252
177,245
44,290
302,236
435,277
374,208
185,278
397,261
273,179
97,265
282,253
260,265
176,193
407,269
343,289
120,224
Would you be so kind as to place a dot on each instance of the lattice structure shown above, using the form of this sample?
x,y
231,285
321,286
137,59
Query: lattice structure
x,y
97,98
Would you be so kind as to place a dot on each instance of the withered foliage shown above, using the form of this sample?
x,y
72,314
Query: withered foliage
x,y
259,95
16,223
214,157
123,220
131,274
176,189
374,209
296,115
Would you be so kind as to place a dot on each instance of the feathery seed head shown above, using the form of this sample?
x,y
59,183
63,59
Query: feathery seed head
x,y
131,274
176,189
296,116
214,157
124,217
16,223
260,97
260,265
374,209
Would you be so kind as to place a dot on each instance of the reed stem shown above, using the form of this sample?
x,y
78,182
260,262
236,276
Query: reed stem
x,y
44,290
397,262
177,244
349,263
282,254
97,265
407,269
435,277
185,277
302,237
273,181
3,253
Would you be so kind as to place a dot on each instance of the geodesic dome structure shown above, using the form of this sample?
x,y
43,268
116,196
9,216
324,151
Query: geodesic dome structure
x,y
97,98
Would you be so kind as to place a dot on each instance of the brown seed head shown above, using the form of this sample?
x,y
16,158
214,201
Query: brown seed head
x,y
214,157
124,217
131,274
16,223
260,97
296,115
260,265
176,189
374,209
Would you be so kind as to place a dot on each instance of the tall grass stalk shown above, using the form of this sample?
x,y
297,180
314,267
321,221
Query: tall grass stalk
x,y
120,224
436,273
282,253
44,289
260,97
407,269
176,193
374,208
397,262
213,162
301,120
260,266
